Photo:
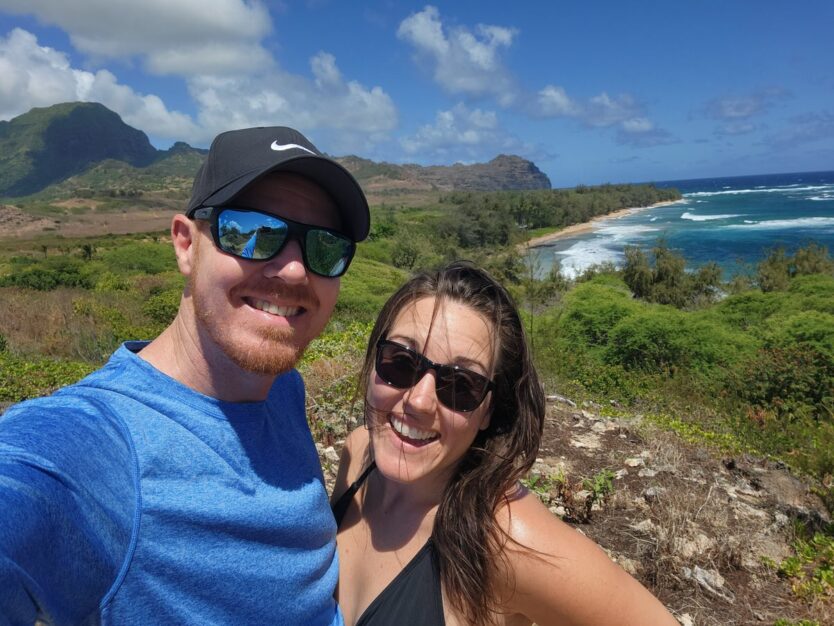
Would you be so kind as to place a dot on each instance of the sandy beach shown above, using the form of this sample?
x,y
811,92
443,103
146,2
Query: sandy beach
x,y
586,227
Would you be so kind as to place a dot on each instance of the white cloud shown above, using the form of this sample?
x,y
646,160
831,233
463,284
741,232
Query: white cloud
x,y
637,125
463,61
347,114
172,37
553,101
338,108
461,133
37,76
602,111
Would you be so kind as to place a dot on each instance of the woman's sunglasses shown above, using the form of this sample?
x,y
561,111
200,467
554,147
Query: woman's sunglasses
x,y
259,236
457,388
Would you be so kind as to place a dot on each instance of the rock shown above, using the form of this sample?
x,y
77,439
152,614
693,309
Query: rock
x,y
709,580
652,493
646,526
687,548
589,441
620,474
630,565
647,473
562,399
331,455
635,461
558,510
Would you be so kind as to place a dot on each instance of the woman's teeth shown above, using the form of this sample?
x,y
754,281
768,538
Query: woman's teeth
x,y
285,311
410,432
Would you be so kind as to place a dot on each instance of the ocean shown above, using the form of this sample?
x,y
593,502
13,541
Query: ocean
x,y
733,221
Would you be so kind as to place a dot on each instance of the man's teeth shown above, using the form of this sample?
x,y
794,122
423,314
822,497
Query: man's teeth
x,y
285,311
410,432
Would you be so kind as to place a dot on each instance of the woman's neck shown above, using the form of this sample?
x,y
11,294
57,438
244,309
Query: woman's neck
x,y
396,512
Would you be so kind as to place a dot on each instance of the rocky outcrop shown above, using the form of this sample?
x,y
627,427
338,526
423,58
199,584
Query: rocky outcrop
x,y
504,172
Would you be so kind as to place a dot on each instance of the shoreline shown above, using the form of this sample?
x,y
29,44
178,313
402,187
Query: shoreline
x,y
586,227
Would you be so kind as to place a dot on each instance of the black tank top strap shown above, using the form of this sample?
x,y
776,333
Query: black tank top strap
x,y
341,505
414,597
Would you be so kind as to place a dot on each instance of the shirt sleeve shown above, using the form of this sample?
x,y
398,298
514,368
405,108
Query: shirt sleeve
x,y
68,502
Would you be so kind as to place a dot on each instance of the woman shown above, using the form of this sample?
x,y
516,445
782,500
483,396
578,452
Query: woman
x,y
435,527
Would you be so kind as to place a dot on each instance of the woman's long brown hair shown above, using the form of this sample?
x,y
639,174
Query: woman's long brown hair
x,y
469,543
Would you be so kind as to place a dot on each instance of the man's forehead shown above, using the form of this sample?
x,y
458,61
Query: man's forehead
x,y
286,192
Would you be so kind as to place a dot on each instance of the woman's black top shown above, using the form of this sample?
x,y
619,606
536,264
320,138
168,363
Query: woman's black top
x,y
414,597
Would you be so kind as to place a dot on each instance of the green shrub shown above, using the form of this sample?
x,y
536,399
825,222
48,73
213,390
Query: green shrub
x,y
162,308
50,273
749,309
144,258
812,329
662,339
792,383
21,379
108,281
593,309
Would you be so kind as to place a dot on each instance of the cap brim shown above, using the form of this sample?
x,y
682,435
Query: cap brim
x,y
332,177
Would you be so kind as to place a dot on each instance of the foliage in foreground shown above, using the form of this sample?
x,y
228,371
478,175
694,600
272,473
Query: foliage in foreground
x,y
759,362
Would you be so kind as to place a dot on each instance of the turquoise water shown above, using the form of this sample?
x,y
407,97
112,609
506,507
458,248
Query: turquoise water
x,y
732,221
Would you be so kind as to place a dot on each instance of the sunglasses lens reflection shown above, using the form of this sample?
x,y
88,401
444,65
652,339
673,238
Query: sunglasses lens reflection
x,y
258,236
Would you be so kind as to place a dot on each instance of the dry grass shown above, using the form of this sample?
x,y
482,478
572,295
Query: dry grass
x,y
69,323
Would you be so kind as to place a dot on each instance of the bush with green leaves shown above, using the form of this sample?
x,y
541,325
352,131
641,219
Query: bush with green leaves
x,y
139,258
50,273
22,378
591,310
659,339
162,307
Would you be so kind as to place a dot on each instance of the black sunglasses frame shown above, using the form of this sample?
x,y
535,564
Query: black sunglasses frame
x,y
295,231
444,373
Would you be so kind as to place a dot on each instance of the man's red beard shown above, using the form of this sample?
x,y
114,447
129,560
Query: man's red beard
x,y
279,349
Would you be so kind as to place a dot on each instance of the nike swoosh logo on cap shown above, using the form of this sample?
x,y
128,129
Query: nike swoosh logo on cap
x,y
279,147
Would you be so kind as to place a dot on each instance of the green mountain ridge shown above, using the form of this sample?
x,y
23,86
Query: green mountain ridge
x,y
48,145
85,150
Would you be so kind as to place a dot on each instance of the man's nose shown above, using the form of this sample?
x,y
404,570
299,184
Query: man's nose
x,y
288,265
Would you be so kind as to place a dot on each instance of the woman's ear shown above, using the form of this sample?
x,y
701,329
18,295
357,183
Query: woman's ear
x,y
184,233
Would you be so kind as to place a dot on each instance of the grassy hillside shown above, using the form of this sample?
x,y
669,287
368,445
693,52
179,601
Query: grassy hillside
x,y
739,373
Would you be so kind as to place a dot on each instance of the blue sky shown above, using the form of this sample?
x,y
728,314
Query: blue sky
x,y
592,92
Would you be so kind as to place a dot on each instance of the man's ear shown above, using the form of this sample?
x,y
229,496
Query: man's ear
x,y
184,234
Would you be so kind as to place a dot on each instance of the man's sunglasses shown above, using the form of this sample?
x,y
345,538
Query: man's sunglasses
x,y
259,236
457,388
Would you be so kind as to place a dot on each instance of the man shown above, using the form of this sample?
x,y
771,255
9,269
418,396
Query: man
x,y
179,484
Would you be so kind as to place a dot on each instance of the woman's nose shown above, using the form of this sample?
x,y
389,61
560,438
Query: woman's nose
x,y
422,397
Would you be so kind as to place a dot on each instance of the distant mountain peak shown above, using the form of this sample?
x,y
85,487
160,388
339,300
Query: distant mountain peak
x,y
50,144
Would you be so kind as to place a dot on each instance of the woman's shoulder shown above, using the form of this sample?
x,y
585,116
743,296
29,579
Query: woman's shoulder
x,y
557,575
531,527
353,460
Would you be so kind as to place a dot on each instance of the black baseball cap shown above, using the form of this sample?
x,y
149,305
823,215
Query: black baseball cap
x,y
238,158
